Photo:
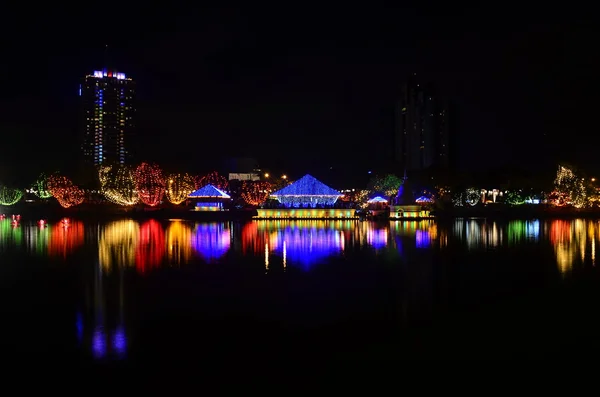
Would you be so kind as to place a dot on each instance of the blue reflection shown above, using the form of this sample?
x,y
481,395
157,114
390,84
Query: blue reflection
x,y
211,241
119,341
422,239
99,343
79,326
307,246
532,229
377,238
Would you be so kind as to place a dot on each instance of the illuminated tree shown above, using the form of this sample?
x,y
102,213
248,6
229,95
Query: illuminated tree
x,y
179,186
470,196
515,197
361,198
40,187
149,183
255,193
9,196
213,178
65,191
389,184
571,186
118,185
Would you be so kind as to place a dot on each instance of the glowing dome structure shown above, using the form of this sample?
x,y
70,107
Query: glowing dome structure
x,y
307,192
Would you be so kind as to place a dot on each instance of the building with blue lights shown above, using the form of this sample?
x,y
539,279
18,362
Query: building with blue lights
x,y
108,117
307,192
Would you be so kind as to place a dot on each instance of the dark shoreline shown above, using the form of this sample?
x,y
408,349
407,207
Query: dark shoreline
x,y
95,212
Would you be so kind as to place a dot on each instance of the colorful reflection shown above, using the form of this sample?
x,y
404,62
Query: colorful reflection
x,y
425,234
572,240
65,237
377,237
117,244
179,242
302,243
211,240
520,231
479,234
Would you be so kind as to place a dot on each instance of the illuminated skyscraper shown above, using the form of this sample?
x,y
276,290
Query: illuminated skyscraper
x,y
108,107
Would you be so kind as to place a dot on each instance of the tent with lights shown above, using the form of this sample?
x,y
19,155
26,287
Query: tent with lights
x,y
307,192
209,198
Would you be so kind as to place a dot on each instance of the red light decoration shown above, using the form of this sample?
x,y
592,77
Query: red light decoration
x,y
65,191
255,193
149,183
213,178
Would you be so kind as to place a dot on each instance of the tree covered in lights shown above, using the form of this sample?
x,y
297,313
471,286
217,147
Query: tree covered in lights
x,y
389,184
212,178
118,185
255,193
515,197
568,184
65,191
9,195
40,187
149,183
470,196
179,186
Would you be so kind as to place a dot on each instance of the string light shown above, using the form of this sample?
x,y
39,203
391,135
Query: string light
x,y
388,184
213,178
40,187
118,185
307,192
179,186
66,193
255,193
9,196
149,183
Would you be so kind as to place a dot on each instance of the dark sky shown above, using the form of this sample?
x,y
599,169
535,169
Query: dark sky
x,y
302,89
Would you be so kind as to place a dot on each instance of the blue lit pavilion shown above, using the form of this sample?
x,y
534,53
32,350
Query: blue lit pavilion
x,y
209,198
307,192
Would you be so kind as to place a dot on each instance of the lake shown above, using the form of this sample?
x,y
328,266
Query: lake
x,y
152,292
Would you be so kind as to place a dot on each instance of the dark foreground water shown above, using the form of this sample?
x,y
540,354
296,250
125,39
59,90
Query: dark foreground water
x,y
271,293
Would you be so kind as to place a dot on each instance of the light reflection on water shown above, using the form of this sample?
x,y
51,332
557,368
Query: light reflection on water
x,y
114,249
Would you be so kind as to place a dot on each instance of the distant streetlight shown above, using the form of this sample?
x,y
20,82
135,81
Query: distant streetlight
x,y
284,177
266,175
593,179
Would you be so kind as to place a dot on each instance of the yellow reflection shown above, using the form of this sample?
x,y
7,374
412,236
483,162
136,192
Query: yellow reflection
x,y
179,247
571,240
116,244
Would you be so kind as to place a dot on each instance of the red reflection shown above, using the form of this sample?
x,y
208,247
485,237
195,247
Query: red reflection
x,y
251,243
560,231
65,238
151,246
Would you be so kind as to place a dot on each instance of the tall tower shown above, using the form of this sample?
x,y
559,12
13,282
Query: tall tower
x,y
422,129
108,110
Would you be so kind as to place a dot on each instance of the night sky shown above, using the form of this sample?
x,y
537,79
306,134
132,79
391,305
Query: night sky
x,y
302,90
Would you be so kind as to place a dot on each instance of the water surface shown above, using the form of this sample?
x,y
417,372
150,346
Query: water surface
x,y
140,292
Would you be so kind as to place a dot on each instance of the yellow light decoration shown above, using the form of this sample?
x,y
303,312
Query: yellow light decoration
x,y
118,185
569,186
65,191
179,186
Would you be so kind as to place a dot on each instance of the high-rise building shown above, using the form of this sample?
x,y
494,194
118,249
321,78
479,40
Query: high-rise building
x,y
422,134
108,108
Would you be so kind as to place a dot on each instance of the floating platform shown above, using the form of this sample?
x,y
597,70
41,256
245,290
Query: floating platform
x,y
306,213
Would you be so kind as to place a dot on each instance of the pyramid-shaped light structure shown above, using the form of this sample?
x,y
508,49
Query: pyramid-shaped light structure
x,y
209,191
307,191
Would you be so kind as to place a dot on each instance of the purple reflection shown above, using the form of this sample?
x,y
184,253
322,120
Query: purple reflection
x,y
119,341
308,246
377,238
423,239
211,241
99,343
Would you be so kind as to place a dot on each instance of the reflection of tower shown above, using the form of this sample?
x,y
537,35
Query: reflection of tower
x,y
93,325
